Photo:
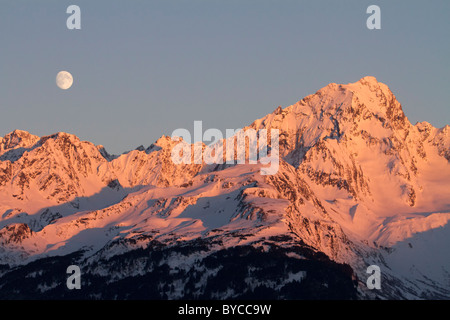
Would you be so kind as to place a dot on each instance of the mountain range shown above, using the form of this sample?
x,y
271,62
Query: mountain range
x,y
357,185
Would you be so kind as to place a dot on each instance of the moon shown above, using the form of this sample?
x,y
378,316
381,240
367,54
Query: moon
x,y
64,80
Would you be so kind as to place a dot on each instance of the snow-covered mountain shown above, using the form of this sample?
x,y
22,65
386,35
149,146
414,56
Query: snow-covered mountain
x,y
357,185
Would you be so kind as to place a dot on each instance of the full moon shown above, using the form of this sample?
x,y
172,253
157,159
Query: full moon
x,y
64,80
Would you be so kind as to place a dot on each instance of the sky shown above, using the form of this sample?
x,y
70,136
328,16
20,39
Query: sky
x,y
142,69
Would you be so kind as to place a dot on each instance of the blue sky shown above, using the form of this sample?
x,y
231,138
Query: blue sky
x,y
144,68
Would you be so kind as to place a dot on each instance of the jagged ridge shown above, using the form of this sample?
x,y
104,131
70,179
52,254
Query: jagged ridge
x,y
356,181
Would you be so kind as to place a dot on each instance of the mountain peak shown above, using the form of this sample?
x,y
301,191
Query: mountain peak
x,y
368,80
18,134
165,141
370,83
62,135
376,97
17,139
